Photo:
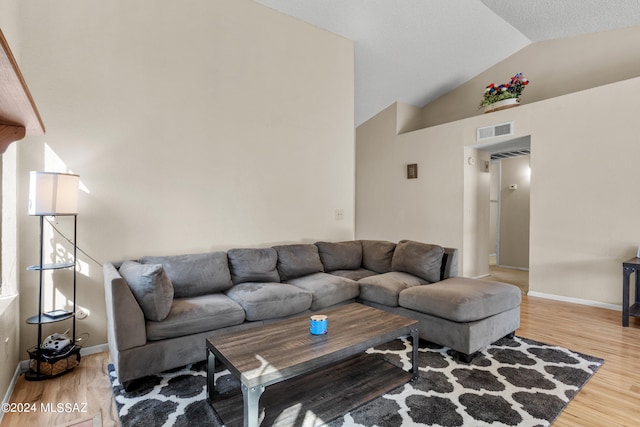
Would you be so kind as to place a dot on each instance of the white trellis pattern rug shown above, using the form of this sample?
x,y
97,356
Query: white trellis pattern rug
x,y
514,382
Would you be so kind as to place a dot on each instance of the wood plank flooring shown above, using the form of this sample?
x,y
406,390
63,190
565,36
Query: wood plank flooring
x,y
87,384
610,398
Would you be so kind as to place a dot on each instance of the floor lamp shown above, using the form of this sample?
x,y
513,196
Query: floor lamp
x,y
53,194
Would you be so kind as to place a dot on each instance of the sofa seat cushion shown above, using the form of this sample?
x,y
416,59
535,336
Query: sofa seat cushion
x,y
196,314
262,301
377,255
385,288
298,260
420,259
253,265
462,299
195,274
340,255
357,274
327,289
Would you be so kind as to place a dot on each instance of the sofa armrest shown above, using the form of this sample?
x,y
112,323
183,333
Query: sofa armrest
x,y
125,321
449,263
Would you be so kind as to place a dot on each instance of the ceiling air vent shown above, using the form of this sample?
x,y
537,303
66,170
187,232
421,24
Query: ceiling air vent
x,y
494,131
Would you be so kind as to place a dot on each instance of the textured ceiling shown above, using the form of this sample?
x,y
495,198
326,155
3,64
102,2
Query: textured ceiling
x,y
551,19
414,51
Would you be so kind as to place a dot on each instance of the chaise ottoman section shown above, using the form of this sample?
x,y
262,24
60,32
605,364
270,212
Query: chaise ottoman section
x,y
463,314
462,299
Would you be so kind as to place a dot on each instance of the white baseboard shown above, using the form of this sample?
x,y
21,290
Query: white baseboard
x,y
513,268
94,349
23,366
575,300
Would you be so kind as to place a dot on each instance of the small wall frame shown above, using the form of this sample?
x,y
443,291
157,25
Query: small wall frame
x,y
412,171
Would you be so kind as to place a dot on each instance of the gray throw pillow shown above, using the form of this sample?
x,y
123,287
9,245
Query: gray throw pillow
x,y
150,286
298,260
420,259
340,255
253,265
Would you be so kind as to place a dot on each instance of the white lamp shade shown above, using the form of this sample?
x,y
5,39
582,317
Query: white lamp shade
x,y
53,193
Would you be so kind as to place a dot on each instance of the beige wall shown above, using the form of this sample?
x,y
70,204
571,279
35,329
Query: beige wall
x,y
217,125
494,192
446,205
554,67
583,169
583,213
514,212
390,206
475,256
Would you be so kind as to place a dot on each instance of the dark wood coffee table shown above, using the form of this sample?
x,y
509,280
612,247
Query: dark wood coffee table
x,y
266,355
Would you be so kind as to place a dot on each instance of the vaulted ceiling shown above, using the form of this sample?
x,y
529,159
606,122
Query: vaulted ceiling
x,y
414,51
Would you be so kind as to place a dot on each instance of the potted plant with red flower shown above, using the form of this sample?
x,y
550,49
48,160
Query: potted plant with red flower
x,y
498,97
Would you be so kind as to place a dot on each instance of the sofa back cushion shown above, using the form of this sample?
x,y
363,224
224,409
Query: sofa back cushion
x,y
150,286
253,265
340,255
377,255
420,259
298,260
195,274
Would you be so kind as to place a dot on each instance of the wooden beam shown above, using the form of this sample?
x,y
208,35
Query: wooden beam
x,y
18,113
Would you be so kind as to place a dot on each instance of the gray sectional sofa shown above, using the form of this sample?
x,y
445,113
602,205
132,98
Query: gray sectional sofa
x,y
160,309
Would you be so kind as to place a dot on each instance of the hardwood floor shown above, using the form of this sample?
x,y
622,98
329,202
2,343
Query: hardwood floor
x,y
87,384
610,398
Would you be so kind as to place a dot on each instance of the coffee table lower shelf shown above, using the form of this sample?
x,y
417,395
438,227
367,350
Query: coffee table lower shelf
x,y
318,397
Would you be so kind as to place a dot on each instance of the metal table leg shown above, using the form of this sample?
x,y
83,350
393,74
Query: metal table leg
x,y
251,398
415,338
637,290
625,295
211,366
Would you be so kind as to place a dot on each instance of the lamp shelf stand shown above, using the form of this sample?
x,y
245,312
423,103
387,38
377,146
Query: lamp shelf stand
x,y
53,194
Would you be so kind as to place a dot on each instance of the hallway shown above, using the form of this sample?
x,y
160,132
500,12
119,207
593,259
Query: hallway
x,y
520,278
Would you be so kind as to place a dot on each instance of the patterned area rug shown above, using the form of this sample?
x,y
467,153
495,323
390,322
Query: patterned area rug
x,y
516,382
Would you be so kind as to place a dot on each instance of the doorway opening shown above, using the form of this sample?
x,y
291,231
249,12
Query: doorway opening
x,y
509,207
